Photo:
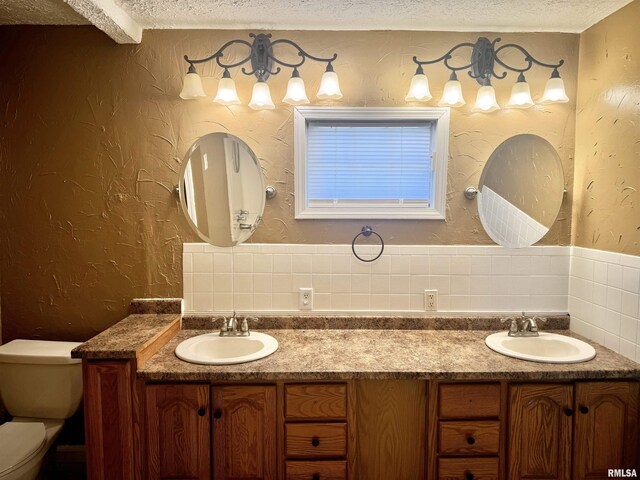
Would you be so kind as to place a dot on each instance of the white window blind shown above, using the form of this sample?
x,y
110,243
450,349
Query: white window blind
x,y
382,163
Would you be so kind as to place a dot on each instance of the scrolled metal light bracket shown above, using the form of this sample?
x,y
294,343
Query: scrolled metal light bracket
x,y
484,58
264,62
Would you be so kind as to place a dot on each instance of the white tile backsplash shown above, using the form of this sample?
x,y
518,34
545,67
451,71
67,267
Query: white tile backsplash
x,y
267,277
604,299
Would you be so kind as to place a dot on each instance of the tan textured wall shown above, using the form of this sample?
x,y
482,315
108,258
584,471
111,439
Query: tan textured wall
x,y
93,133
606,212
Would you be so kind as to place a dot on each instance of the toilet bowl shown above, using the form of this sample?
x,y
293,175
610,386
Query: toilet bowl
x,y
40,386
23,445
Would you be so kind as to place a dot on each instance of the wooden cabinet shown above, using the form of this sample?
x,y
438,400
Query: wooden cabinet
x,y
557,429
178,432
606,428
465,431
244,432
540,431
109,419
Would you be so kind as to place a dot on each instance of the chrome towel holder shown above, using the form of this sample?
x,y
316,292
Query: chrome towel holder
x,y
367,231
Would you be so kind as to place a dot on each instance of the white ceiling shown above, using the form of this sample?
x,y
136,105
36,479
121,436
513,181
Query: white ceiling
x,y
129,17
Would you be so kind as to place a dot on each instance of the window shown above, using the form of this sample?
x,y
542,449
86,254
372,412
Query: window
x,y
371,162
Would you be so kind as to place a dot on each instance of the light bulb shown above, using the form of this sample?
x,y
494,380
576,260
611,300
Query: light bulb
x,y
296,93
261,97
452,94
419,88
554,90
192,85
520,94
227,94
486,100
329,85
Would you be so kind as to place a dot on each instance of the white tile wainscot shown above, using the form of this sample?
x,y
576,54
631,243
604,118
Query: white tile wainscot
x,y
604,299
267,277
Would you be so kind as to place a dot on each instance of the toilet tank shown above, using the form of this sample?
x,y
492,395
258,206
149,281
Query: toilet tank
x,y
39,379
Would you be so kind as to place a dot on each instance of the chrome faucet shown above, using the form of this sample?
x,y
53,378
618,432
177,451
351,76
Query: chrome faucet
x,y
230,326
523,326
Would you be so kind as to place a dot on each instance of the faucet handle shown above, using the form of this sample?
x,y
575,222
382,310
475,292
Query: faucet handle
x,y
534,323
244,326
513,328
223,328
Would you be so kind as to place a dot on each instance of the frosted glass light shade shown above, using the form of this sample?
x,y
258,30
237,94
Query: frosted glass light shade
x,y
554,92
486,100
227,94
452,95
520,96
296,93
192,87
261,97
329,87
419,89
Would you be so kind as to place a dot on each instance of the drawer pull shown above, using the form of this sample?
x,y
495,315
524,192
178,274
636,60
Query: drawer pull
x,y
468,476
471,440
315,441
201,412
568,412
217,414
584,409
315,476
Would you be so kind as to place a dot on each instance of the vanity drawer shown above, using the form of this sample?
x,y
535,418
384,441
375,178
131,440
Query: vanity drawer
x,y
468,468
468,400
315,439
318,401
322,470
469,437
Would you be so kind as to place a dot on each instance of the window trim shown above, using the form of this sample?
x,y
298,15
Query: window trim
x,y
440,157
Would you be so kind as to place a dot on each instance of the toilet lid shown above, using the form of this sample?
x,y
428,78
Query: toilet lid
x,y
18,442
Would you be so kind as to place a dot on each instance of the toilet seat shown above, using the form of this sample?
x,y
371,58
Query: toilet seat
x,y
19,443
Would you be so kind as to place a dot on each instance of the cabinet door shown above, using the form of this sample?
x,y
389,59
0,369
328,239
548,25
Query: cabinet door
x,y
606,428
178,434
540,425
244,432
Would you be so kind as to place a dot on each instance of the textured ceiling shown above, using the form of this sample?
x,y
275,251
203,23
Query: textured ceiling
x,y
456,15
38,12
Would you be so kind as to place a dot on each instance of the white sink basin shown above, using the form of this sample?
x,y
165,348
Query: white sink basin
x,y
212,349
547,348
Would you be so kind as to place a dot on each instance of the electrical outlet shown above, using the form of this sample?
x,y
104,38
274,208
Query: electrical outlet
x,y
431,300
305,299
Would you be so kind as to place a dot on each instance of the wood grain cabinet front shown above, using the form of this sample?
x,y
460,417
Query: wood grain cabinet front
x,y
315,401
469,400
178,432
469,468
316,470
469,437
562,431
605,429
244,432
315,440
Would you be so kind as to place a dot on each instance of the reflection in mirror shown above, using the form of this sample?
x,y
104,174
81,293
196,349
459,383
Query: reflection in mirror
x,y
520,191
222,189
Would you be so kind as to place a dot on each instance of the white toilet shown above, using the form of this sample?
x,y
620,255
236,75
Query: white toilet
x,y
40,386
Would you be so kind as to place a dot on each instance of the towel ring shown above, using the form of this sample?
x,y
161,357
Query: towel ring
x,y
367,231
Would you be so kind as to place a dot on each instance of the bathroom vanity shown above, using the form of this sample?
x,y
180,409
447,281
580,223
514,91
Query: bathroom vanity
x,y
368,399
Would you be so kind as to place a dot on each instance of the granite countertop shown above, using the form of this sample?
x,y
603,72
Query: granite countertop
x,y
382,354
127,338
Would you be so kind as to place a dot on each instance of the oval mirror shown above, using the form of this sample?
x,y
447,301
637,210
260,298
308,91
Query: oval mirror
x,y
521,190
222,189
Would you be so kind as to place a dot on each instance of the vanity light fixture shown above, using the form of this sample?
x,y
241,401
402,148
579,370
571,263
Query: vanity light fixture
x,y
484,56
263,64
